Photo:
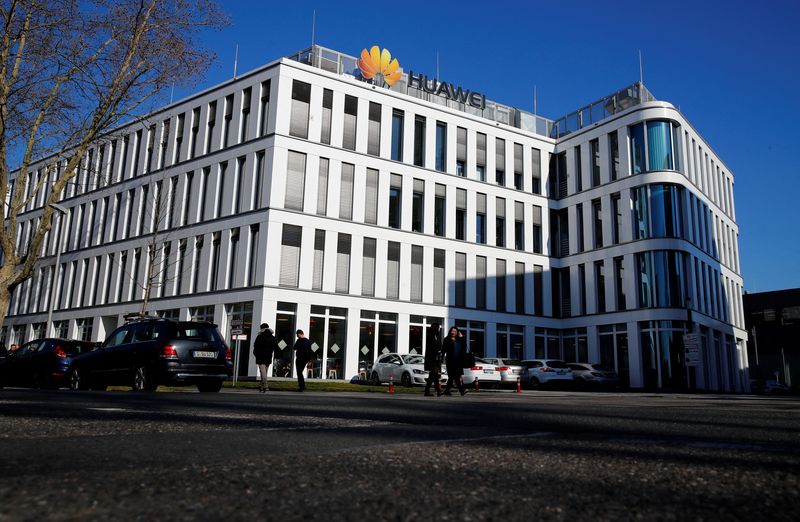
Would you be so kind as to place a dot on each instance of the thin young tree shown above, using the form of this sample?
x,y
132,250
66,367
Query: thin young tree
x,y
70,70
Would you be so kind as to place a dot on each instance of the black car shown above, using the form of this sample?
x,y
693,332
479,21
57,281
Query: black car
x,y
148,352
43,363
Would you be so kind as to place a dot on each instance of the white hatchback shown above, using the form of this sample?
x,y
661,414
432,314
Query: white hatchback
x,y
401,369
544,371
510,369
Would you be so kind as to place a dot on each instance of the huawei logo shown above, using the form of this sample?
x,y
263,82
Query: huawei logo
x,y
377,65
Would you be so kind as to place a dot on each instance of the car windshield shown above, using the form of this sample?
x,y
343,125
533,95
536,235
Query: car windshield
x,y
553,363
512,362
197,332
602,368
413,359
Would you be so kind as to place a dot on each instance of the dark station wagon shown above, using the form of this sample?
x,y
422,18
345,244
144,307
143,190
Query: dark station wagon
x,y
146,353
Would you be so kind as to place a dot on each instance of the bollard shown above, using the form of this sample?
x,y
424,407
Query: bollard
x,y
519,388
391,384
477,385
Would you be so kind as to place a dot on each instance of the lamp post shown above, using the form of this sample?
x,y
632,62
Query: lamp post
x,y
61,213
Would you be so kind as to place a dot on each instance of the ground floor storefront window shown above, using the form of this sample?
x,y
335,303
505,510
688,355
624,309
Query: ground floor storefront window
x,y
377,335
546,344
284,335
419,328
328,335
575,345
240,323
613,346
475,334
510,341
662,354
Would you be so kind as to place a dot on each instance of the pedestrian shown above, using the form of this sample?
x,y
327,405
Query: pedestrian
x,y
433,360
454,351
264,347
302,354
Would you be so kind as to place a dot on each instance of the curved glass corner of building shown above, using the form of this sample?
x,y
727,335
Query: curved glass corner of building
x,y
655,145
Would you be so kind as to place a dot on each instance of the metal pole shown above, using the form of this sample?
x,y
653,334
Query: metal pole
x,y
236,362
61,213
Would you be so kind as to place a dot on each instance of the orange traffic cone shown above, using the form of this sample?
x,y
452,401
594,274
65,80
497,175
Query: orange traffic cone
x,y
477,385
519,388
391,384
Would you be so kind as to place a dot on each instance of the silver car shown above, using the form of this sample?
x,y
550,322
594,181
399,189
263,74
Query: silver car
x,y
594,375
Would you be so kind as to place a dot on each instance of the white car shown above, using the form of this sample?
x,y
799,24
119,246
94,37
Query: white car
x,y
485,372
594,375
545,371
407,370
510,369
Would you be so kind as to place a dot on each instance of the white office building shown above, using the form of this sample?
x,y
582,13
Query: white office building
x,y
303,195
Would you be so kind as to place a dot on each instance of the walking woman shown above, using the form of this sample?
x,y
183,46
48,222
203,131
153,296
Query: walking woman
x,y
454,350
433,360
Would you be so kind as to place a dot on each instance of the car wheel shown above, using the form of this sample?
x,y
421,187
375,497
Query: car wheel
x,y
405,380
210,386
534,382
143,380
76,380
374,379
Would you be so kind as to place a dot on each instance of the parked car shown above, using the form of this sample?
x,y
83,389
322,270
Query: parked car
x,y
545,371
510,369
587,374
484,371
146,353
43,363
407,370
768,387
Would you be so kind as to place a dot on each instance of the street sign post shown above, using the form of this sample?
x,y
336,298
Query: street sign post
x,y
691,349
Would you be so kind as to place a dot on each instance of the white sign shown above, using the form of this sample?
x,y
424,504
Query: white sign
x,y
236,331
691,349
240,337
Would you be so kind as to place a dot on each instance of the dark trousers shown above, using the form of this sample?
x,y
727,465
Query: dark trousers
x,y
434,378
301,367
459,383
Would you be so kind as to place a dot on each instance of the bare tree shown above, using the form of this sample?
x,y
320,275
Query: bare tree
x,y
69,71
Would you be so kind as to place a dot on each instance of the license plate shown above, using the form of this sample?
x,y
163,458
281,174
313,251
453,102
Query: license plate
x,y
205,355
562,372
488,371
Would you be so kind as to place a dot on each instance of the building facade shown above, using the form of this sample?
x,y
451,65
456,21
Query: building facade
x,y
773,325
302,195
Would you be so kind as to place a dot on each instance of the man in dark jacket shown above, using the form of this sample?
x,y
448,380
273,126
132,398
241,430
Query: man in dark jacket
x,y
263,349
302,354
433,360
454,352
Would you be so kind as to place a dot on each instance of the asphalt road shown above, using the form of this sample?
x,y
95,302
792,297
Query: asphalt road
x,y
368,456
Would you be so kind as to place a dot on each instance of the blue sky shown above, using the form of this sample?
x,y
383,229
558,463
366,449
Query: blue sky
x,y
731,67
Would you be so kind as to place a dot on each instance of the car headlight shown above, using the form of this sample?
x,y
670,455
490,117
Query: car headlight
x,y
420,372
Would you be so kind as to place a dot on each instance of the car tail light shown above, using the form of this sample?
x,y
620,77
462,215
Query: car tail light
x,y
60,353
169,352
503,368
476,368
228,354
546,369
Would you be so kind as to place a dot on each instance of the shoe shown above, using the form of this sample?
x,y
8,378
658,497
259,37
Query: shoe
x,y
463,392
439,394
266,390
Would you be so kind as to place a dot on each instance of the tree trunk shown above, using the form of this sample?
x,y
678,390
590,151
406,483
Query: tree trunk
x,y
5,301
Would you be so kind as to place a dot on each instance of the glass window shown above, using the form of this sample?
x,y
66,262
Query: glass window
x,y
500,285
480,282
343,264
346,192
500,222
419,141
327,116
374,129
371,197
416,273
637,148
295,180
595,158
600,286
597,216
613,145
536,175
500,162
393,271
397,135
439,210
461,151
418,206
480,219
438,276
368,268
301,97
441,146
319,259
659,145
395,200
461,214
350,119
290,255
461,279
